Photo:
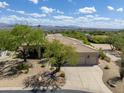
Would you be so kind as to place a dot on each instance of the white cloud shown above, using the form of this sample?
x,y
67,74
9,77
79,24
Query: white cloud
x,y
20,12
11,10
89,16
62,17
3,4
102,19
47,10
62,20
34,1
14,19
59,12
110,8
36,15
87,10
113,9
120,10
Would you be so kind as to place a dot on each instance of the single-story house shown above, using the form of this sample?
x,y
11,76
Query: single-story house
x,y
88,55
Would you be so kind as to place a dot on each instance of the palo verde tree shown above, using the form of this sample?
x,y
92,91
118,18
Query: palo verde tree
x,y
21,35
59,55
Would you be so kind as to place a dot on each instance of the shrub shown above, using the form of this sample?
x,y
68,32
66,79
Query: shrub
x,y
42,65
106,67
107,59
22,66
62,74
52,68
102,54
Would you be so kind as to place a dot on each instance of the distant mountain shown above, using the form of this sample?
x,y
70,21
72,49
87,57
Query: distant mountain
x,y
3,25
49,27
61,28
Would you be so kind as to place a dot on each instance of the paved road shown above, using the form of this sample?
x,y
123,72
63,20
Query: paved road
x,y
27,91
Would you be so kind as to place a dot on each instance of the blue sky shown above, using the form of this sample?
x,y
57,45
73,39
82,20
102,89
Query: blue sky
x,y
83,13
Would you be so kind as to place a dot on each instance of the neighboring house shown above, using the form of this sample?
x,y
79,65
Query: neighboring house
x,y
88,55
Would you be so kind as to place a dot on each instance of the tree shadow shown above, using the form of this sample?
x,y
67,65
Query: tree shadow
x,y
115,79
46,81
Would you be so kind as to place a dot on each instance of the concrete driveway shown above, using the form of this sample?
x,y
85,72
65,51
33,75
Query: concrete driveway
x,y
86,79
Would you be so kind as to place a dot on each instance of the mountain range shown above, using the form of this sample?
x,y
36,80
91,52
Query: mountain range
x,y
59,28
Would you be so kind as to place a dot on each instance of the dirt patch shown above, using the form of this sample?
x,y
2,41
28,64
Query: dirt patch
x,y
110,73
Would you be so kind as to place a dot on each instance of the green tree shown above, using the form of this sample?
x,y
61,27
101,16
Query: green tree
x,y
77,35
116,40
21,32
59,55
111,40
7,41
36,37
21,36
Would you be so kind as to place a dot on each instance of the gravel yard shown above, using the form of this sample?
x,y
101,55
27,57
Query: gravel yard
x,y
87,79
110,73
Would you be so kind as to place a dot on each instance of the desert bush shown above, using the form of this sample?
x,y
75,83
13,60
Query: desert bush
x,y
62,74
43,65
22,66
107,67
52,68
101,54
